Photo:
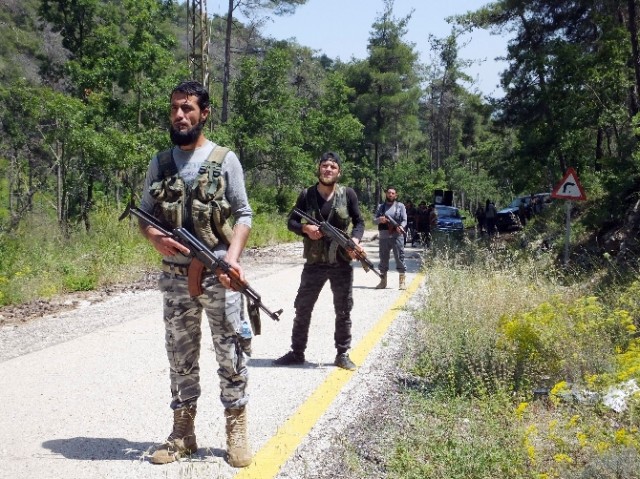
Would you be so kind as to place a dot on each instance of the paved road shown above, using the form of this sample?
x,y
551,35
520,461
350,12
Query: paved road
x,y
88,405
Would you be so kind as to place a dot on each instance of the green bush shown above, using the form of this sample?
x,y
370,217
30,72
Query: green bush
x,y
270,200
37,261
471,288
564,341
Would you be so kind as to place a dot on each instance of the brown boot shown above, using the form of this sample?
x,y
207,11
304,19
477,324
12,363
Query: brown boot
x,y
383,281
238,451
403,279
182,440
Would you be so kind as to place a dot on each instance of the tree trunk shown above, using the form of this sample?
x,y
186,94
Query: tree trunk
x,y
86,208
139,101
60,186
227,65
599,150
13,174
633,34
378,188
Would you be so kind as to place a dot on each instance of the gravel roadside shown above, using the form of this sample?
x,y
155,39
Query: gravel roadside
x,y
355,436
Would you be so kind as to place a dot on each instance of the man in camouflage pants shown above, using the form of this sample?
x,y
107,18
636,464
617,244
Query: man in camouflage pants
x,y
170,193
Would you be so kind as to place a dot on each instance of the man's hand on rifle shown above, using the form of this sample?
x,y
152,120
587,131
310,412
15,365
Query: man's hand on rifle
x,y
238,275
165,245
357,251
392,225
312,231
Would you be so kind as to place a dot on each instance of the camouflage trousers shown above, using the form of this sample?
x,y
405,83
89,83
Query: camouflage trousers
x,y
387,244
314,277
183,334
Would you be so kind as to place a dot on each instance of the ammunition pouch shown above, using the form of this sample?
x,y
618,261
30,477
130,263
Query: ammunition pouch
x,y
201,215
169,196
254,317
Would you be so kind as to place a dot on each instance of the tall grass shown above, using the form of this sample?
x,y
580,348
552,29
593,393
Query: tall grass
x,y
511,372
38,261
269,229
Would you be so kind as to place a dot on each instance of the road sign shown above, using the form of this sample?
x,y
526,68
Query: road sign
x,y
569,187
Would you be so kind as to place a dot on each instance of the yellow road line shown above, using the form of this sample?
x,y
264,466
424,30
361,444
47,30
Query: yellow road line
x,y
271,457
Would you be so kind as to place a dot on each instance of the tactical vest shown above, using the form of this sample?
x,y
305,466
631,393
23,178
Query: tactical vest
x,y
324,250
200,208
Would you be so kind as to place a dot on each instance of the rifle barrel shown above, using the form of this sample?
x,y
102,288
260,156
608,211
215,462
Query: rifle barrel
x,y
341,237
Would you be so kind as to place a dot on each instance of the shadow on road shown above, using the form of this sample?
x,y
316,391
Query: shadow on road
x,y
98,448
268,363
113,449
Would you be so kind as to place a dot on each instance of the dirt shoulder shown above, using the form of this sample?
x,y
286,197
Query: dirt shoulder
x,y
255,260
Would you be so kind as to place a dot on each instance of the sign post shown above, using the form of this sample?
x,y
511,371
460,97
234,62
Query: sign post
x,y
569,188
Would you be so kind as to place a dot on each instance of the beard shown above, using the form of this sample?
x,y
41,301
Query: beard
x,y
327,181
182,138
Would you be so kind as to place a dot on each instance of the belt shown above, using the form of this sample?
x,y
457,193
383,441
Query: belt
x,y
180,269
176,269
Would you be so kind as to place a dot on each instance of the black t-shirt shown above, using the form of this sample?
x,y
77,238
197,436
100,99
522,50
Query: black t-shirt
x,y
422,220
353,208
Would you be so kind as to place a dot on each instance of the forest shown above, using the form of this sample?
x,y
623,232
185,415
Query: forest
x,y
83,95
84,87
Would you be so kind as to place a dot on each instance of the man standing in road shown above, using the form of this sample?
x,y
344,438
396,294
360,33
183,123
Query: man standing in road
x,y
410,235
391,237
325,201
199,186
490,214
423,222
479,214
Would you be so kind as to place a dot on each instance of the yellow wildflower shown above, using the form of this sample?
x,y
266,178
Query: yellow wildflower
x,y
563,458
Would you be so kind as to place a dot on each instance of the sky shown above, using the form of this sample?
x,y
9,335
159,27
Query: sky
x,y
340,29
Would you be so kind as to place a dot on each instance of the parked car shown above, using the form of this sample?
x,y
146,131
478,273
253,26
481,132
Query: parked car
x,y
449,219
507,218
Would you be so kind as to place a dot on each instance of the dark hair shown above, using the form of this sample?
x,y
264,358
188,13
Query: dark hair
x,y
192,87
331,156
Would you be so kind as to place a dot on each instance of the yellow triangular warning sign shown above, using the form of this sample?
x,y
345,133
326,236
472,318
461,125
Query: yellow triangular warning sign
x,y
569,187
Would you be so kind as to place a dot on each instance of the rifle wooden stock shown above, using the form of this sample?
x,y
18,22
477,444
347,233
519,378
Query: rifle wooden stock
x,y
203,258
394,224
194,277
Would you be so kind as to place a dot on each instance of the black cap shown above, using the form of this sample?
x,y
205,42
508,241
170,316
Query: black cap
x,y
331,156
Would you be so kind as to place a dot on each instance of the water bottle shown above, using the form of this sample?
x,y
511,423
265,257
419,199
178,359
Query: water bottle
x,y
245,330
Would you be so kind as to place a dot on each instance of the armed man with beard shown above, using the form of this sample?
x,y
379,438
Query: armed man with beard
x,y
199,186
338,205
391,237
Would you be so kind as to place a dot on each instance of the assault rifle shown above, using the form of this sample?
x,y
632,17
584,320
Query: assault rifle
x,y
203,258
394,224
341,238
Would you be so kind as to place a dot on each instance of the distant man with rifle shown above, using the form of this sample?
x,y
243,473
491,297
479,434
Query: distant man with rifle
x,y
326,201
199,187
391,218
